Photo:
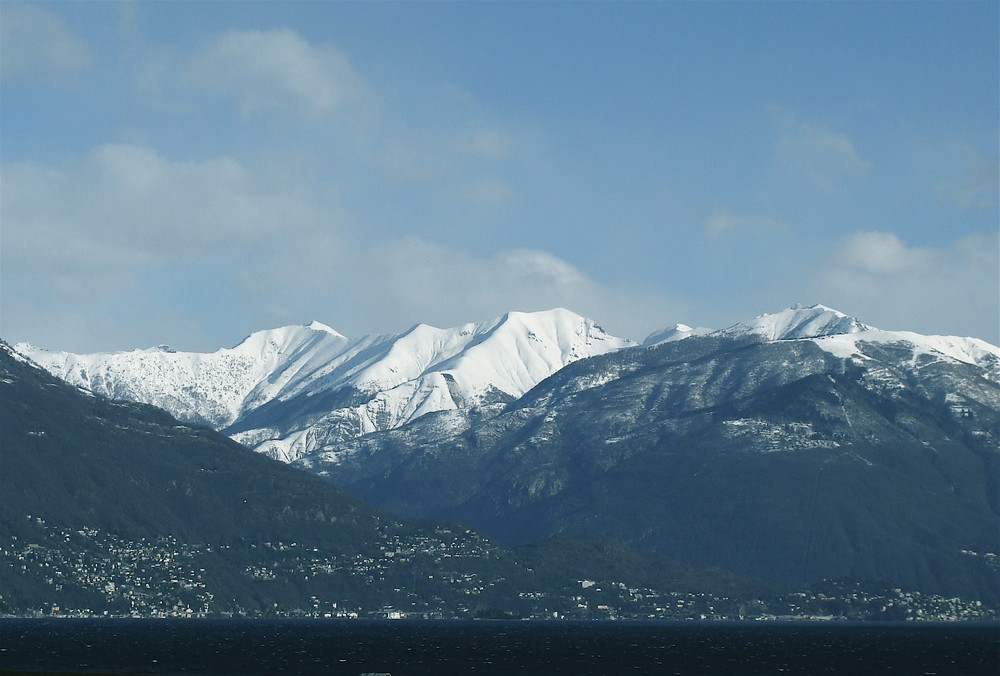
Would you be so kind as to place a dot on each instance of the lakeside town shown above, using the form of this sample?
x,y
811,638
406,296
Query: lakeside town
x,y
440,574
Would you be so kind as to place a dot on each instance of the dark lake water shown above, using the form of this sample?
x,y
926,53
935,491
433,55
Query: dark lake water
x,y
405,648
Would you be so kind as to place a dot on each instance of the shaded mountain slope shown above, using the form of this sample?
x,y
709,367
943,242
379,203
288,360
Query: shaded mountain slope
x,y
76,459
781,459
118,507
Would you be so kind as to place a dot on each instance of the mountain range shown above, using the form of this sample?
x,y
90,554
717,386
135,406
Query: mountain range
x,y
110,507
798,446
294,390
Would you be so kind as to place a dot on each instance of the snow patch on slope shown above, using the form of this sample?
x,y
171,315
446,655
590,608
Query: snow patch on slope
x,y
962,349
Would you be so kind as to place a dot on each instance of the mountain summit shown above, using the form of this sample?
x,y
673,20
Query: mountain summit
x,y
798,322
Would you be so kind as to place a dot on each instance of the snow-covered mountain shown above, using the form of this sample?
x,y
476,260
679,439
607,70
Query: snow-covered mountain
x,y
846,337
795,446
841,335
297,390
888,362
292,390
213,388
797,322
798,445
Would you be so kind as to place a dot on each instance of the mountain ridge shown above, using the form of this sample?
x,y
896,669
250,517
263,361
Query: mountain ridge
x,y
387,380
300,389
798,322
116,508
796,446
771,458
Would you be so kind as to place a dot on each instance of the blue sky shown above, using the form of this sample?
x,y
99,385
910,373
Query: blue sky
x,y
189,172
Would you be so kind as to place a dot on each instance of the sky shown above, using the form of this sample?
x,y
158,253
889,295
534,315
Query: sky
x,y
186,173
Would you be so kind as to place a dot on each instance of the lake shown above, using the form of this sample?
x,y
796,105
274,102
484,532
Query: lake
x,y
411,648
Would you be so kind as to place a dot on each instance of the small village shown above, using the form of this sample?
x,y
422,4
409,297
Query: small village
x,y
438,575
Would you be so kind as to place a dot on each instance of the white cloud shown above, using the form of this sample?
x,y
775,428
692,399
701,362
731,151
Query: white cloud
x,y
126,226
124,220
824,158
278,69
109,250
136,239
129,197
435,151
880,253
422,281
397,282
541,269
35,43
888,283
973,181
410,280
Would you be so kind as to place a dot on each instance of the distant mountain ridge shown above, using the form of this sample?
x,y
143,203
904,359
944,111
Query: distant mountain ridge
x,y
292,390
296,390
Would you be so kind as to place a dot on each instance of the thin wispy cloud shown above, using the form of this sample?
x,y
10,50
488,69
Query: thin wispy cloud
x,y
489,191
974,180
124,220
880,253
879,274
278,69
824,158
407,163
159,207
37,44
488,144
725,222
427,282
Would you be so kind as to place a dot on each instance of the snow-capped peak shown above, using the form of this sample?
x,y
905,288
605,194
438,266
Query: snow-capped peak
x,y
798,322
393,378
201,387
320,326
14,353
846,337
677,332
287,336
